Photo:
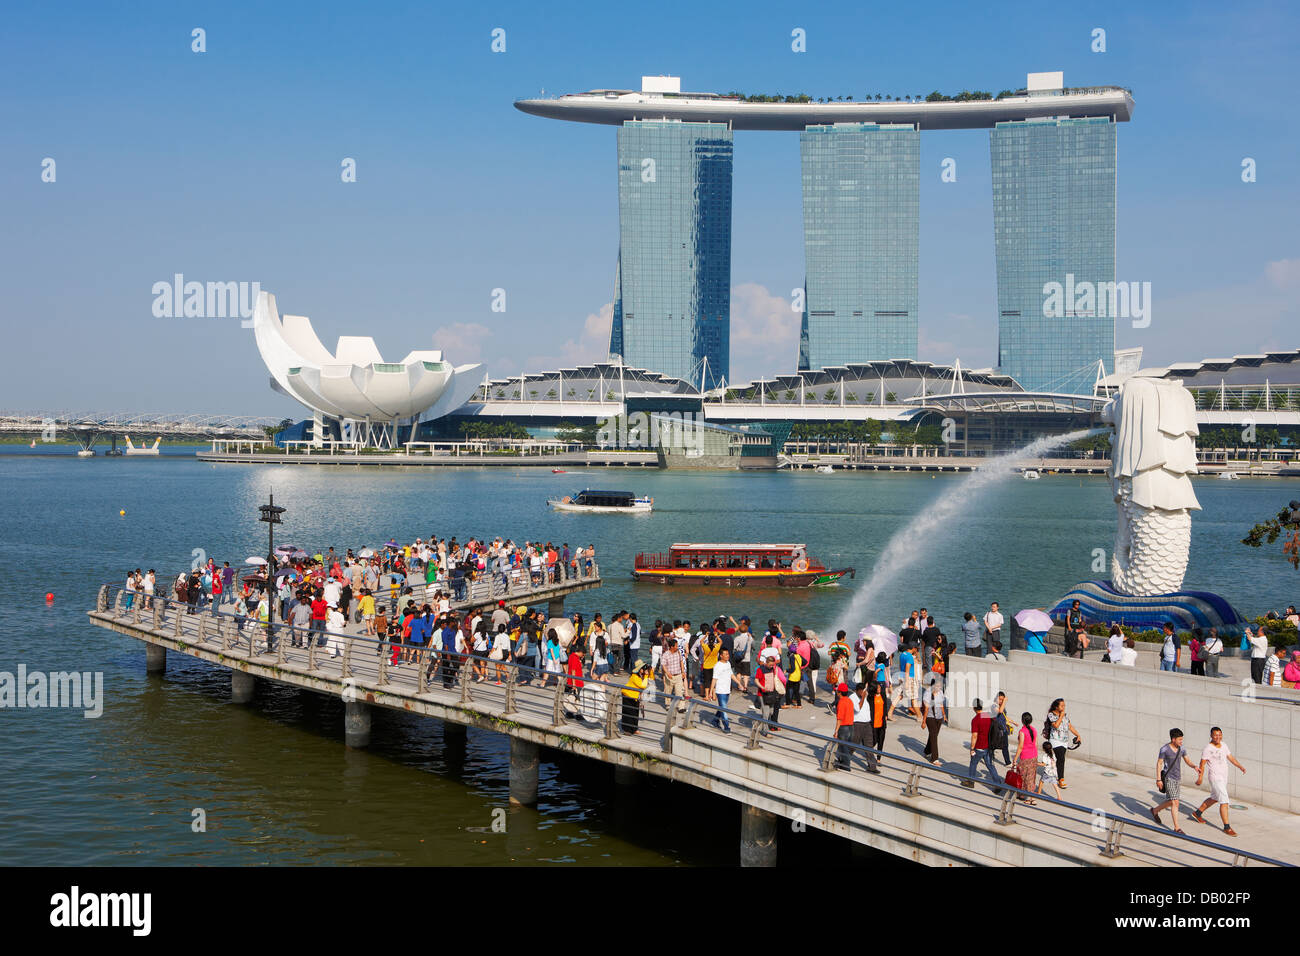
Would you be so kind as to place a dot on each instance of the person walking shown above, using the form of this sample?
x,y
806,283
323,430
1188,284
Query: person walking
x,y
673,662
862,728
844,712
1061,734
770,683
909,673
935,706
981,727
1215,758
720,689
811,644
1027,754
1169,775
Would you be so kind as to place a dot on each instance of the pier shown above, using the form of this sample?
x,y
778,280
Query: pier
x,y
911,809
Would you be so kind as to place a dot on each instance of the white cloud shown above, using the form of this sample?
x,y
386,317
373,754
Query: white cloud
x,y
462,342
1283,272
764,333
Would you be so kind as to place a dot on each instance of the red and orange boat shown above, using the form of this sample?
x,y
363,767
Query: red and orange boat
x,y
737,565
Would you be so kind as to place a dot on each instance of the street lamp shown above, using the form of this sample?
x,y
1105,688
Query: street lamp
x,y
271,515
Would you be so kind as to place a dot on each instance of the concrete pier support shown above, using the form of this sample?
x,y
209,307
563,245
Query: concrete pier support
x,y
356,724
155,659
524,758
241,686
757,837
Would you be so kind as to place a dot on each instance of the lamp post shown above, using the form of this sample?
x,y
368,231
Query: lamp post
x,y
271,515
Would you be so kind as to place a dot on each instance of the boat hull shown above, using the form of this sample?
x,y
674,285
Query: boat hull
x,y
638,508
710,577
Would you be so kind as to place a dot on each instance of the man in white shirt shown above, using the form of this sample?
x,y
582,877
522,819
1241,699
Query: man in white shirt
x,y
1128,654
721,688
1258,652
862,728
1213,648
1215,758
1115,646
332,592
993,623
616,635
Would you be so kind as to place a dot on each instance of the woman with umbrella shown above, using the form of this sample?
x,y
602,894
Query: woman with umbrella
x,y
1035,624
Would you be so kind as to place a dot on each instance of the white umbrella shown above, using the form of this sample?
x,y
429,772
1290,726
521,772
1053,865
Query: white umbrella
x,y
563,630
882,638
366,553
255,560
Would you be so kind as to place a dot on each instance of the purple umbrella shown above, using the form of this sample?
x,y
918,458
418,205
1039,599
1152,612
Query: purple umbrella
x,y
1032,619
882,638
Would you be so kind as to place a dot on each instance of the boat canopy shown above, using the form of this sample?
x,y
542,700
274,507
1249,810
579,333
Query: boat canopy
x,y
605,499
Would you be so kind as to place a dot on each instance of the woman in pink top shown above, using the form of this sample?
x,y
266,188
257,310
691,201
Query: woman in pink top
x,y
1027,754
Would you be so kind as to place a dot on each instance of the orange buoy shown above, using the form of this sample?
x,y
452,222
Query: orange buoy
x,y
49,597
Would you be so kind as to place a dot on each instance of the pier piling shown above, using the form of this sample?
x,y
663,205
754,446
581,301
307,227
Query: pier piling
x,y
356,724
241,686
524,758
757,837
155,659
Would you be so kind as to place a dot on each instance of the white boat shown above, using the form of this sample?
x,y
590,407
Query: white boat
x,y
1229,476
1030,474
825,470
603,502
144,449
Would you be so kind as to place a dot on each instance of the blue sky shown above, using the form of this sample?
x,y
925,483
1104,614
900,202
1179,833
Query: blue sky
x,y
225,166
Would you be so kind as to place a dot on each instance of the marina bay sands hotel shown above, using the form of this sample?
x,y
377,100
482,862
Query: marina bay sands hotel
x,y
1053,152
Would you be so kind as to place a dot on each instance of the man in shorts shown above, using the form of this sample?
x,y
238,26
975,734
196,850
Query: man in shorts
x,y
1169,775
1216,757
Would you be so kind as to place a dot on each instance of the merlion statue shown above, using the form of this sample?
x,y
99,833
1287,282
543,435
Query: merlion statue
x,y
1153,456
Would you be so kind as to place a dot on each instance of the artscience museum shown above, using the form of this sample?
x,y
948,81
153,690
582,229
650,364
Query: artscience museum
x,y
355,397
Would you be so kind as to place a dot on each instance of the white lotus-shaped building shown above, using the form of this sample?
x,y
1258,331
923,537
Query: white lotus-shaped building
x,y
355,386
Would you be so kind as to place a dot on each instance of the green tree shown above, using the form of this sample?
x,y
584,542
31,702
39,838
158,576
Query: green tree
x,y
1286,525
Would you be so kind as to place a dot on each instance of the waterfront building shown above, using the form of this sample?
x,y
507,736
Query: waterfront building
x,y
1054,222
861,208
672,299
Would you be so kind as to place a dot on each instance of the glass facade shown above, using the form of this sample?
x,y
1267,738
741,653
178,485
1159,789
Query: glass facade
x,y
861,209
672,297
1053,222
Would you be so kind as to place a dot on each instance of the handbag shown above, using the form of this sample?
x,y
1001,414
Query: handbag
x,y
1015,780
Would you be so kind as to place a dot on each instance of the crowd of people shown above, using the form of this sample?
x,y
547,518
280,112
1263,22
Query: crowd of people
x,y
673,660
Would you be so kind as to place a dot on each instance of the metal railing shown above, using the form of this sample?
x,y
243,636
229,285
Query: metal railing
x,y
553,697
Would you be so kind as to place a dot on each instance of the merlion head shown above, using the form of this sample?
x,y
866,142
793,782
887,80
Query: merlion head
x,y
1153,455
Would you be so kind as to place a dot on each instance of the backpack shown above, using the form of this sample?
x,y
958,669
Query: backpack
x,y
814,660
999,733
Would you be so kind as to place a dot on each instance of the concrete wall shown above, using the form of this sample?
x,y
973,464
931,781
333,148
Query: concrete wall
x,y
1124,715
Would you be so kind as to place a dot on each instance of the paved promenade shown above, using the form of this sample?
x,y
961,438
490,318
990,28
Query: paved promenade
x,y
911,809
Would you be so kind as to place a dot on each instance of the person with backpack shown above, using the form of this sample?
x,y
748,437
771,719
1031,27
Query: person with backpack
x,y
1171,651
1076,632
1026,757
794,681
981,749
1000,729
